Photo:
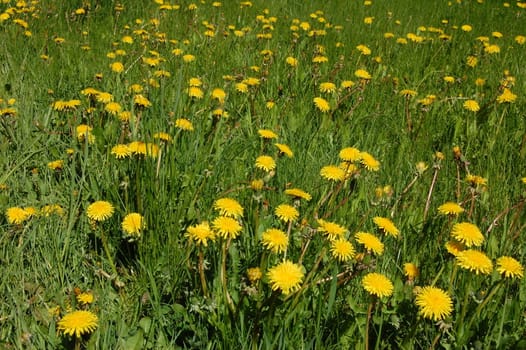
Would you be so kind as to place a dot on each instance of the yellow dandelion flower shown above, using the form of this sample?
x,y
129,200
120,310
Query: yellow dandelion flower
x,y
78,323
327,87
320,59
267,134
411,271
408,93
266,163
509,267
286,276
364,50
332,173
322,104
257,185
298,193
386,225
342,249
347,84
133,224
254,274
286,213
184,124
284,149
350,154
194,91
466,28
84,133
449,79
117,67
228,207
450,208
219,95
492,48
331,230
520,39
242,87
370,242
227,227
163,136
475,261
369,162
100,210
275,240
506,96
85,298
291,61
468,234
476,180
16,215
471,105
434,303
50,209
200,233
362,74
56,164
113,108
377,284
141,101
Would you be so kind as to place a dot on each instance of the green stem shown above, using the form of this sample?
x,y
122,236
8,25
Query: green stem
x,y
202,273
368,322
228,299
107,251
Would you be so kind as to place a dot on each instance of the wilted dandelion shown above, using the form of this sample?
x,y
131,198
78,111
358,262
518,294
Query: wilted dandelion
x,y
228,207
386,225
275,240
370,242
509,267
286,276
286,213
434,303
377,284
200,233
475,261
78,323
254,274
100,211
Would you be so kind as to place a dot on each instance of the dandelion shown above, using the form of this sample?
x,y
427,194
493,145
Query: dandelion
x,y
475,261
16,215
298,193
327,88
491,49
471,105
284,149
362,74
133,224
476,180
194,91
350,154
506,96
408,93
370,242
56,164
219,95
286,276
472,61
85,298
254,274
322,104
364,50
184,124
275,240
228,207
369,162
257,185
377,284
411,271
84,133
466,28
78,323
267,134
320,59
117,67
100,211
162,136
227,227
113,108
434,303
266,163
520,39
386,225
331,229
242,87
468,234
449,79
342,249
200,233
332,173
291,61
286,213
450,208
509,267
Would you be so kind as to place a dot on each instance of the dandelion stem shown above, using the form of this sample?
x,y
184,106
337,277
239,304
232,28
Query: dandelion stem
x,y
107,251
368,322
228,299
431,188
408,115
435,341
202,272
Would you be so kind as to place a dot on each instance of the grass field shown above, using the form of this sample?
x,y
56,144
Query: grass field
x,y
262,175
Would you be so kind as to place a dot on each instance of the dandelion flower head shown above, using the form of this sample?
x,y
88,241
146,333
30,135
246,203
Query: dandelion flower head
x,y
298,193
468,234
275,240
228,207
227,227
266,163
286,212
286,276
386,225
475,261
200,233
100,210
78,323
370,242
450,208
133,224
377,284
331,229
350,154
434,303
284,149
342,249
510,267
333,173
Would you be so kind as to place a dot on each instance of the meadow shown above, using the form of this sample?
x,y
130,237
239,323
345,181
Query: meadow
x,y
262,175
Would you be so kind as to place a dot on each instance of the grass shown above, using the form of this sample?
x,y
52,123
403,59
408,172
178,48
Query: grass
x,y
155,287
